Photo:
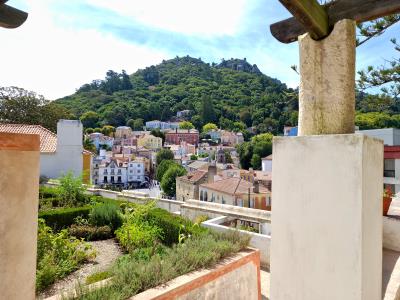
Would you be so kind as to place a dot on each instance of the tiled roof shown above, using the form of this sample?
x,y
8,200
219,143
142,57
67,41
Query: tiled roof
x,y
198,164
232,186
194,176
48,139
260,175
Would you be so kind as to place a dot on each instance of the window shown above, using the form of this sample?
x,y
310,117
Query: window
x,y
112,179
95,181
201,195
240,202
131,171
138,177
119,179
105,179
251,203
138,165
131,165
205,196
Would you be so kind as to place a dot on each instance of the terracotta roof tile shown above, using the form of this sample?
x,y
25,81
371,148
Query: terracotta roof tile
x,y
194,176
232,186
48,139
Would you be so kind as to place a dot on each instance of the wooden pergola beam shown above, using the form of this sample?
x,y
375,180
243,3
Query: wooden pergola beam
x,y
288,30
11,17
310,15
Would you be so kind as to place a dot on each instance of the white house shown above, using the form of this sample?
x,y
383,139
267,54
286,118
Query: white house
x,y
266,164
59,153
136,171
118,171
112,172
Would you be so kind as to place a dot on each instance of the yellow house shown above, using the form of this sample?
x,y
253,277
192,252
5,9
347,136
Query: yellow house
x,y
87,166
150,142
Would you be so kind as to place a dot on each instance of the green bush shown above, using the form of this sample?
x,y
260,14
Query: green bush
x,y
172,225
136,235
71,191
107,214
61,218
58,254
133,274
48,192
90,233
95,277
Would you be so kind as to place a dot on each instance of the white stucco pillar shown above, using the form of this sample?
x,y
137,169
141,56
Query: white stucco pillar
x,y
327,218
19,185
327,80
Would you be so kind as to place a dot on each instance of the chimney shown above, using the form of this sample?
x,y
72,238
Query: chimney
x,y
256,187
212,171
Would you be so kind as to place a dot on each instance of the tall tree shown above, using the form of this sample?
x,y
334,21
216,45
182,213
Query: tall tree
x,y
207,111
25,107
126,83
387,76
90,119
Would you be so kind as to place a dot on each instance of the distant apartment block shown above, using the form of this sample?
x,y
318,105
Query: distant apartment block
x,y
156,124
149,141
190,136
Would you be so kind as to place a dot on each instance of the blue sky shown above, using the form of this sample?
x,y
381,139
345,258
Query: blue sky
x,y
66,43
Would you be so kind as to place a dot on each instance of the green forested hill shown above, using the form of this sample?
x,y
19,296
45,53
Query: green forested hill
x,y
229,94
233,94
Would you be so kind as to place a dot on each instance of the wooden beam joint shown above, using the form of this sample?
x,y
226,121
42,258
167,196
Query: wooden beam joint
x,y
288,30
310,15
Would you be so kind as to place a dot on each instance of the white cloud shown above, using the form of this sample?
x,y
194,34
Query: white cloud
x,y
54,61
206,17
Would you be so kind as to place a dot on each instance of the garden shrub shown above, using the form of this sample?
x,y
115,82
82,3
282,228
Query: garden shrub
x,y
98,276
71,191
106,214
58,254
90,233
133,274
137,235
61,218
172,225
48,192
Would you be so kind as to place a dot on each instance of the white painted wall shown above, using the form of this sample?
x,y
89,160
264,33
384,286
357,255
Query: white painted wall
x,y
390,136
336,205
68,156
266,165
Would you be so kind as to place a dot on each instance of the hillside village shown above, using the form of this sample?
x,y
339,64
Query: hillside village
x,y
167,183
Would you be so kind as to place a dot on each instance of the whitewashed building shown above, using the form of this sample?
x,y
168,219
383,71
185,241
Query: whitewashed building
x,y
59,153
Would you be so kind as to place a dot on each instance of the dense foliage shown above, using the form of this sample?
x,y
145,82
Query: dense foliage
x,y
217,94
164,154
148,267
20,106
58,254
168,181
251,153
163,167
106,214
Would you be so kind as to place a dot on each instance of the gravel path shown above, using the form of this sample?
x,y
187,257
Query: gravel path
x,y
107,252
